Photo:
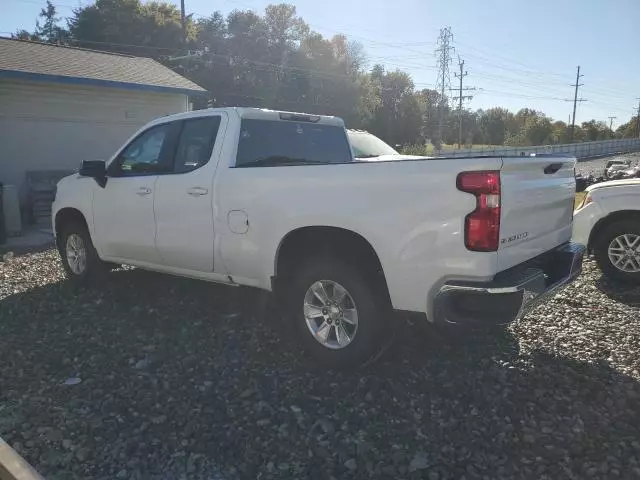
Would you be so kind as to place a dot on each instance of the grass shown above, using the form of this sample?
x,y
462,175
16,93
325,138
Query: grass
x,y
579,197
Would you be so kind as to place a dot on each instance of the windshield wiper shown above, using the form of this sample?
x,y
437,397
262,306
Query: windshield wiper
x,y
279,160
370,155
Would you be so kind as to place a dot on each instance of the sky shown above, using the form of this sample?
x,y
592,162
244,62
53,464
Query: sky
x,y
518,53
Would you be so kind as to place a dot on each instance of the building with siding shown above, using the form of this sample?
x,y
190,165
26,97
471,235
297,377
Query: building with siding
x,y
61,105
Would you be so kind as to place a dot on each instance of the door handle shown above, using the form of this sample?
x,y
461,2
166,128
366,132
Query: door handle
x,y
197,191
552,168
143,191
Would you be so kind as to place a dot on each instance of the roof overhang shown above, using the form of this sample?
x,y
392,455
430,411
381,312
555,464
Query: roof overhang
x,y
63,79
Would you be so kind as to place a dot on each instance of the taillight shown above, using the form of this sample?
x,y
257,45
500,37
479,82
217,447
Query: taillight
x,y
482,226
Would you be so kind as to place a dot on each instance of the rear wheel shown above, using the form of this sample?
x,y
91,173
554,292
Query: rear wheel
x,y
617,251
335,313
79,257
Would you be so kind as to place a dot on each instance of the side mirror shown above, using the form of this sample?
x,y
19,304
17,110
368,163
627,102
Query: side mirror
x,y
581,184
96,169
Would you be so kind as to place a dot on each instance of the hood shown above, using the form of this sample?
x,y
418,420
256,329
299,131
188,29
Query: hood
x,y
387,158
619,166
614,183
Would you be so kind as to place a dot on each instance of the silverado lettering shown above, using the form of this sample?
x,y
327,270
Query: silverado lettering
x,y
513,238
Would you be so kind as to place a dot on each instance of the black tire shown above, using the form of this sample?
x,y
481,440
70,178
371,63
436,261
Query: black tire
x,y
601,248
94,267
367,342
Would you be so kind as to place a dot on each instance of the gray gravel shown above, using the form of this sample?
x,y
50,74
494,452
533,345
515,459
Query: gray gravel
x,y
142,377
596,167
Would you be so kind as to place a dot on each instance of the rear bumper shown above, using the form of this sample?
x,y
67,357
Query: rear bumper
x,y
512,293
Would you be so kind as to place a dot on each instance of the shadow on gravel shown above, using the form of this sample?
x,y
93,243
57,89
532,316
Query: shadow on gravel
x,y
170,389
626,293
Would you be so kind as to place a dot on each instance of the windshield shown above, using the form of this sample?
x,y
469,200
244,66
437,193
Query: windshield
x,y
367,145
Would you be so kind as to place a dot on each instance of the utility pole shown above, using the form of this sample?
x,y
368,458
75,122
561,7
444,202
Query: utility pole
x,y
443,53
183,23
638,120
575,102
463,73
611,119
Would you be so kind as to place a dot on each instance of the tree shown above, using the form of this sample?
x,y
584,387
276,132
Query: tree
x,y
49,31
595,130
537,129
398,118
151,29
493,125
25,35
629,129
560,132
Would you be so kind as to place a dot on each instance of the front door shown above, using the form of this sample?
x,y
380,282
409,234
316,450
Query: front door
x,y
123,214
184,200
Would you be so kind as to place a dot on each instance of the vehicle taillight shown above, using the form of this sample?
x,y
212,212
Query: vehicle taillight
x,y
482,226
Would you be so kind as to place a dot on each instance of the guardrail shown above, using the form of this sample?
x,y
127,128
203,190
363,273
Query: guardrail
x,y
579,150
13,466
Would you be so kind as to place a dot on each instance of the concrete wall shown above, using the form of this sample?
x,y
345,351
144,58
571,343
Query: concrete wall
x,y
48,126
579,150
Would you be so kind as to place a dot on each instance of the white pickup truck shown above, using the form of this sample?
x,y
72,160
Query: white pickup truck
x,y
276,200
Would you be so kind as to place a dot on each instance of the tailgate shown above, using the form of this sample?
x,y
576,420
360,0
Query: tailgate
x,y
537,196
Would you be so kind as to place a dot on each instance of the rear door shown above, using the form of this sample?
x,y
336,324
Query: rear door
x,y
537,198
183,201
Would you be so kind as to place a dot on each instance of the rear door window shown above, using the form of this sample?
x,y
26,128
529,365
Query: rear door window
x,y
196,143
303,142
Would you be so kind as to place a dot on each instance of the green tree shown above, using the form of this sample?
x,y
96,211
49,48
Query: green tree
x,y
25,35
494,123
595,130
48,31
537,130
398,118
628,130
152,29
559,132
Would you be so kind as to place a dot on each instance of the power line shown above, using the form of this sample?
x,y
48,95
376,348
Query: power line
x,y
575,103
530,70
500,93
611,119
493,55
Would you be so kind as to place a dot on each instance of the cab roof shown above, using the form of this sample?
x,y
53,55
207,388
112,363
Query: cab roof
x,y
254,113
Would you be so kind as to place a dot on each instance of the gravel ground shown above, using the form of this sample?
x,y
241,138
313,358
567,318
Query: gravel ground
x,y
142,377
596,167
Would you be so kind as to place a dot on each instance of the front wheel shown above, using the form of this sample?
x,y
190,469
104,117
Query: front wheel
x,y
336,314
79,257
617,251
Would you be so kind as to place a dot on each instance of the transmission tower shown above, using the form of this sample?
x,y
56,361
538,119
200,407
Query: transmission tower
x,y
443,84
